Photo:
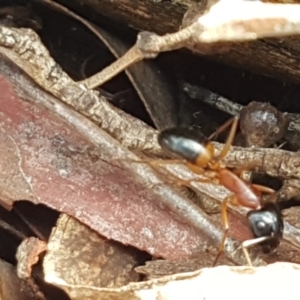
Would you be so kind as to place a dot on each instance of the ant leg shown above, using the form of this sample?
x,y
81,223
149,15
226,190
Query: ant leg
x,y
263,189
195,169
246,168
211,176
252,242
230,139
157,162
226,226
272,197
267,190
223,127
188,182
234,121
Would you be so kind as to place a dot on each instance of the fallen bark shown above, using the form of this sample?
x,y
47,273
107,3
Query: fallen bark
x,y
278,58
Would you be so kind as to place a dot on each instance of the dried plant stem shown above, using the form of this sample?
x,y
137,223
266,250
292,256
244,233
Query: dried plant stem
x,y
229,106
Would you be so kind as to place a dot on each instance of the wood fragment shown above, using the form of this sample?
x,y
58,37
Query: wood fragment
x,y
14,288
86,258
243,21
277,58
28,255
206,284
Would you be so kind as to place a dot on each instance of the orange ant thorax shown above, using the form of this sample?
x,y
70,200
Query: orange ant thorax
x,y
244,193
205,157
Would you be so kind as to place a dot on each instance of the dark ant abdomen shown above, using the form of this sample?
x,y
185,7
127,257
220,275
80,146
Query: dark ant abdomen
x,y
183,143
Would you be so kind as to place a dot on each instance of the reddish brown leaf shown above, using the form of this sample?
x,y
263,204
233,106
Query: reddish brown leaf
x,y
45,160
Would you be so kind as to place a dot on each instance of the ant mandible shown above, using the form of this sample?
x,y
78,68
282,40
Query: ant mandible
x,y
198,153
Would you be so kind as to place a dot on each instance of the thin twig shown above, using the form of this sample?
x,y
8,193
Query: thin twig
x,y
228,106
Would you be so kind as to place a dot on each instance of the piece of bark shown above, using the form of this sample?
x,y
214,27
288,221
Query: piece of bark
x,y
277,58
158,16
273,281
14,288
28,255
80,256
158,268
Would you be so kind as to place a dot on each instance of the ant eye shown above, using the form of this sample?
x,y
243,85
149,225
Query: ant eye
x,y
264,222
261,225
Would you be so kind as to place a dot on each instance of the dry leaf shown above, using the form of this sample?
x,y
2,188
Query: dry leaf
x,y
273,281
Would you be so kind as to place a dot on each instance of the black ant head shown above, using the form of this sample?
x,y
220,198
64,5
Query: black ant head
x,y
267,222
184,143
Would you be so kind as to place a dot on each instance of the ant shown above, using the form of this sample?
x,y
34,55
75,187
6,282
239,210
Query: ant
x,y
198,152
